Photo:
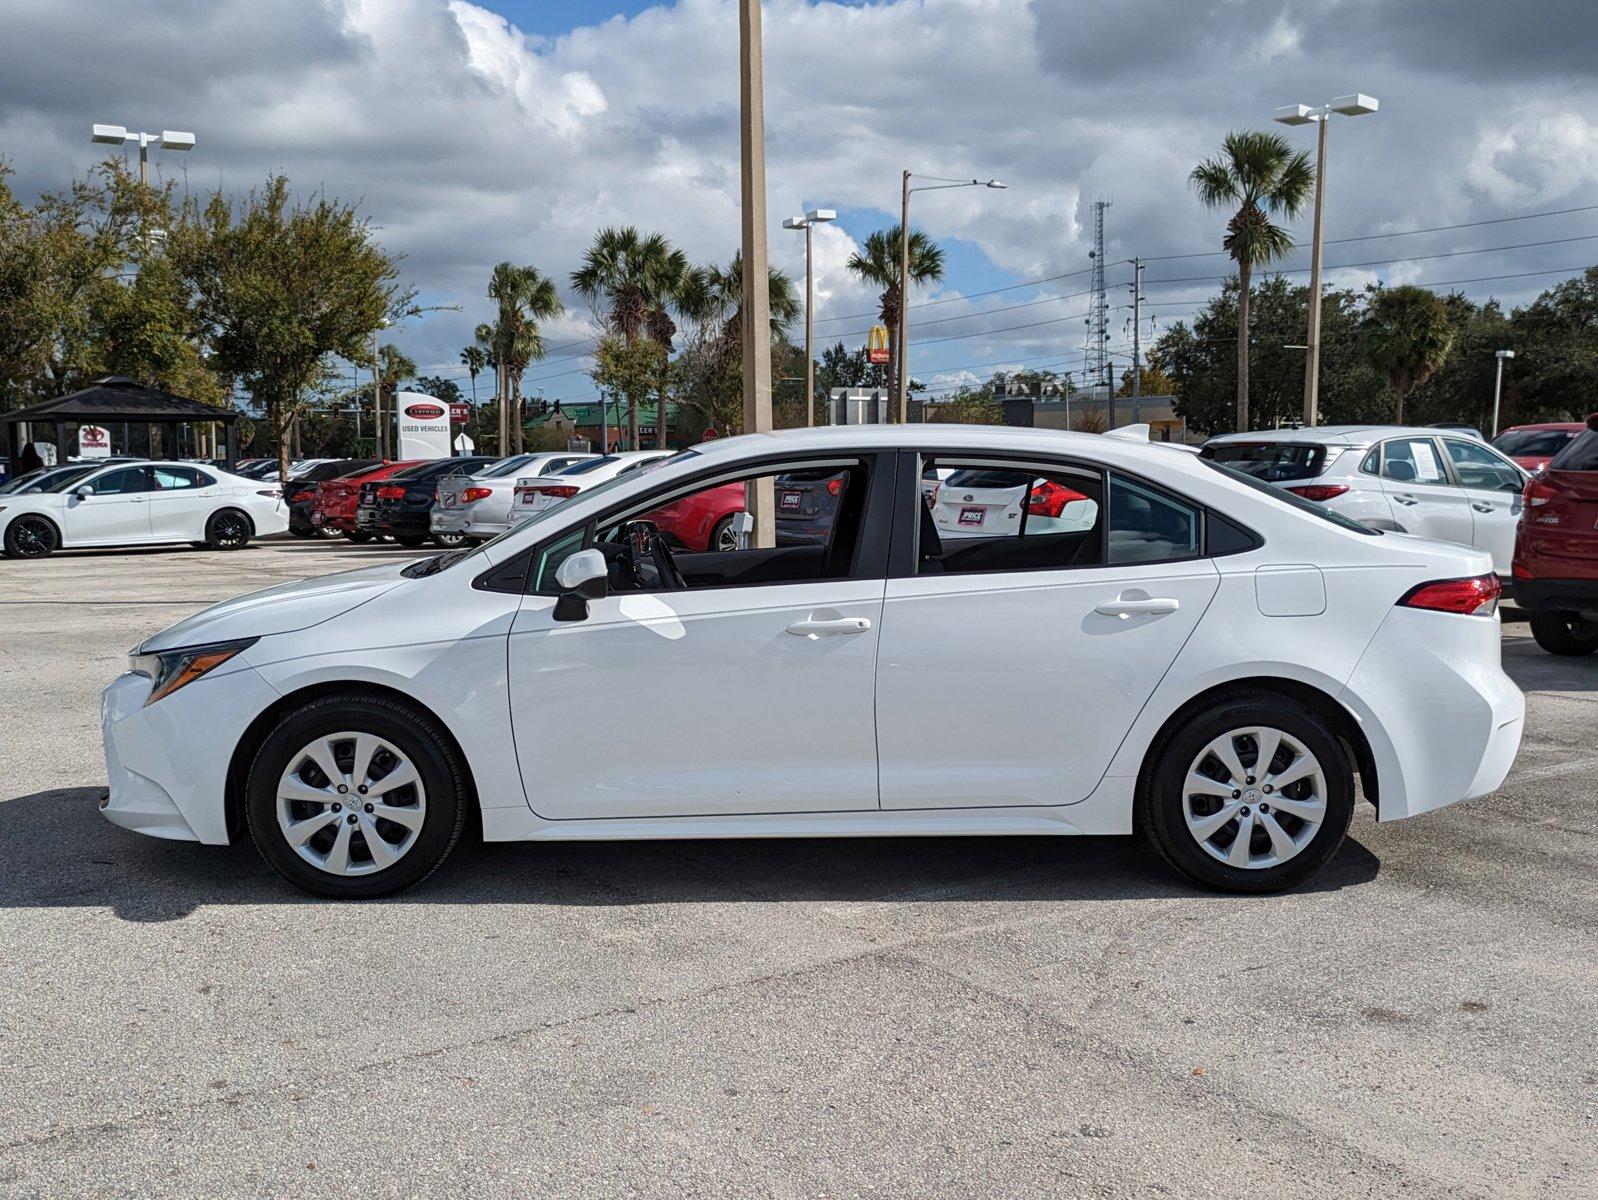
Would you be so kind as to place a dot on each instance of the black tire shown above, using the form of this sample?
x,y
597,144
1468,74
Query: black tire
x,y
296,531
448,541
719,531
359,536
442,774
1160,795
410,540
326,532
1564,633
228,529
30,536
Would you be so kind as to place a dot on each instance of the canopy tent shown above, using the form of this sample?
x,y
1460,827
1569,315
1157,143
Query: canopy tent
x,y
110,402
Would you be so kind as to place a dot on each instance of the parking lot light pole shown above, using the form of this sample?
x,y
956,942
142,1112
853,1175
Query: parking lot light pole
x,y
167,139
902,341
808,223
1302,114
1498,385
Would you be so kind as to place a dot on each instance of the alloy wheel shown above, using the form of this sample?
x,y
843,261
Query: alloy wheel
x,y
32,538
351,803
1254,797
229,530
726,537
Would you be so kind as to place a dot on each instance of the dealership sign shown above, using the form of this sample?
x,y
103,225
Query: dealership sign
x,y
423,426
460,413
94,441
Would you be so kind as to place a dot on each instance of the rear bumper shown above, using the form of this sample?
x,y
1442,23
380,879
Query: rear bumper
x,y
1443,720
1558,595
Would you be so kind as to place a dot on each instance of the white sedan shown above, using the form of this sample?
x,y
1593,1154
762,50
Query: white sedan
x,y
479,506
1211,661
143,503
538,493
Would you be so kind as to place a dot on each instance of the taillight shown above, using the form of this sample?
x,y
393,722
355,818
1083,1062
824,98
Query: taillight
x,y
391,493
561,491
1476,596
932,495
274,493
476,493
835,486
1319,491
1538,492
1049,499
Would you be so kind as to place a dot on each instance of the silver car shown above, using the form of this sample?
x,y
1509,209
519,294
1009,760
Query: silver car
x,y
480,506
1434,482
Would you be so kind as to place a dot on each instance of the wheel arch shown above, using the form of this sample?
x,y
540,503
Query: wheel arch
x,y
254,736
230,507
1350,733
60,531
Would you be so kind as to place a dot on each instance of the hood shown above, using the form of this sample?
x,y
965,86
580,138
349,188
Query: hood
x,y
282,609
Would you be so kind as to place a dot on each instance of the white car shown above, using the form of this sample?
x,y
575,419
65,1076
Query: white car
x,y
479,506
1213,661
1439,483
985,501
539,493
143,503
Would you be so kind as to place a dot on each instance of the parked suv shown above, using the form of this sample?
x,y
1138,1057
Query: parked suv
x,y
1432,482
1556,551
1534,446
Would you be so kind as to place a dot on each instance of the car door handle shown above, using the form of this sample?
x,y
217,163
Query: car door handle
x,y
1404,498
1479,506
812,627
1129,606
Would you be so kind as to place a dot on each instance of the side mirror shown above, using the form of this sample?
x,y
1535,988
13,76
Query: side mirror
x,y
583,577
83,491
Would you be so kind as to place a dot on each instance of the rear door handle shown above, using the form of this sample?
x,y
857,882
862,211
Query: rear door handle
x,y
813,628
1480,507
1403,498
1127,606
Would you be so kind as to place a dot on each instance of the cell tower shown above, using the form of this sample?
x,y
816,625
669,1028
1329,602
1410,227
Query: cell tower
x,y
1097,372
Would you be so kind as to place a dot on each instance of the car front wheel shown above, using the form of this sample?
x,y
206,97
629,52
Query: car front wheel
x,y
31,537
1253,794
356,796
1564,633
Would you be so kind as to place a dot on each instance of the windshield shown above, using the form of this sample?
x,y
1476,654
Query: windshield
x,y
1270,461
64,478
1533,443
1289,499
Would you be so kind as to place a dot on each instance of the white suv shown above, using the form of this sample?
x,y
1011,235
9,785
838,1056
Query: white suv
x,y
1432,482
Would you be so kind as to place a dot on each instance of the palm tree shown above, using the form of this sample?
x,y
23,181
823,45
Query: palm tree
x,y
475,360
1257,176
1408,332
878,264
729,288
525,296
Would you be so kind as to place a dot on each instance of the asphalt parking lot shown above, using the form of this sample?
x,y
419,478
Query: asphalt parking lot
x,y
1000,1017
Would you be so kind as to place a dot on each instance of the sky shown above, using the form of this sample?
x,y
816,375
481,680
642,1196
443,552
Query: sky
x,y
475,132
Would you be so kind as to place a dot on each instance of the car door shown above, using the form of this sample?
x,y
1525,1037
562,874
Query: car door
x,y
748,692
116,513
1424,496
1009,672
1493,485
180,501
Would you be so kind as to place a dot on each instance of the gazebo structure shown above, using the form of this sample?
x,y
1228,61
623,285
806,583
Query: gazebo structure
x,y
117,405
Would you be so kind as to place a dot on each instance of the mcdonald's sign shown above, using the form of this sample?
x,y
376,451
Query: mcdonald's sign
x,y
877,345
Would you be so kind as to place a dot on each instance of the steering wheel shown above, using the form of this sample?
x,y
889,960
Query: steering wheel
x,y
649,559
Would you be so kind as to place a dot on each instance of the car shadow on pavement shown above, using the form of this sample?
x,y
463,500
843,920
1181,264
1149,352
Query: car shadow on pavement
x,y
1535,670
61,854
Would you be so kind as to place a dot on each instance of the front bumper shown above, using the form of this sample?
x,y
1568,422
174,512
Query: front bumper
x,y
168,762
1558,595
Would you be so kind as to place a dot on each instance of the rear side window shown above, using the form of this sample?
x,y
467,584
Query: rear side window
x,y
171,479
1274,462
1412,460
1149,526
1580,455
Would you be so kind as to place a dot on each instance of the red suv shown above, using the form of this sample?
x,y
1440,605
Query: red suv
x,y
1556,548
334,506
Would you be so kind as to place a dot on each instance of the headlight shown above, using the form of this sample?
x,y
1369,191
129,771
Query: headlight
x,y
171,669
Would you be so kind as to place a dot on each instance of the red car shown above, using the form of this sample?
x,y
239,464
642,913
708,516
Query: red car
x,y
1532,446
1556,548
702,521
334,506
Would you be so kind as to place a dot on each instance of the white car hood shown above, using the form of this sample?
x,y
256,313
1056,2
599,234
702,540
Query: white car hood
x,y
281,609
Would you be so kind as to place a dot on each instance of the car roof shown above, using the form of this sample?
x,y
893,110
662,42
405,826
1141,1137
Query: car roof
x,y
1563,426
1331,435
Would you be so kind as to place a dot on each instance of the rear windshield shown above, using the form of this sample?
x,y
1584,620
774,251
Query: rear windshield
x,y
587,465
1580,455
1292,501
1533,443
1273,462
509,467
439,466
986,477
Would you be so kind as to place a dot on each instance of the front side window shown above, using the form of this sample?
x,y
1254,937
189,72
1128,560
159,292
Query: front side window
x,y
1412,460
126,482
1478,467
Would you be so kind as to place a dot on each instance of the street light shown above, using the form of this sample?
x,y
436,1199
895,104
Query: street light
x,y
808,222
1498,385
167,139
939,184
1356,105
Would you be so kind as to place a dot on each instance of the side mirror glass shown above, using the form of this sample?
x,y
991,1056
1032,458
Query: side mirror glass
x,y
583,577
83,491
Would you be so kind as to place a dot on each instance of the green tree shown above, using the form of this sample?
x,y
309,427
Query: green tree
x,y
877,263
524,296
279,286
969,406
1555,338
629,370
1258,176
440,388
1408,332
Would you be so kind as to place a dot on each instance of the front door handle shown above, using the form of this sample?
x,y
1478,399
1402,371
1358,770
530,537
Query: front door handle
x,y
1403,498
1481,507
812,627
1128,606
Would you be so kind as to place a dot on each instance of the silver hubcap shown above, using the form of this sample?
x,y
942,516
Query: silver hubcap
x,y
351,804
1254,798
727,539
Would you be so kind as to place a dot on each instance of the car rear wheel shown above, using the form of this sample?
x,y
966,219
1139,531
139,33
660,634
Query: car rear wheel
x,y
31,537
1564,633
228,530
356,796
722,537
448,541
1253,794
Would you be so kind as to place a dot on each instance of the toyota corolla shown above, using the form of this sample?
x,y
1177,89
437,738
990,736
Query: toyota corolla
x,y
1200,657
